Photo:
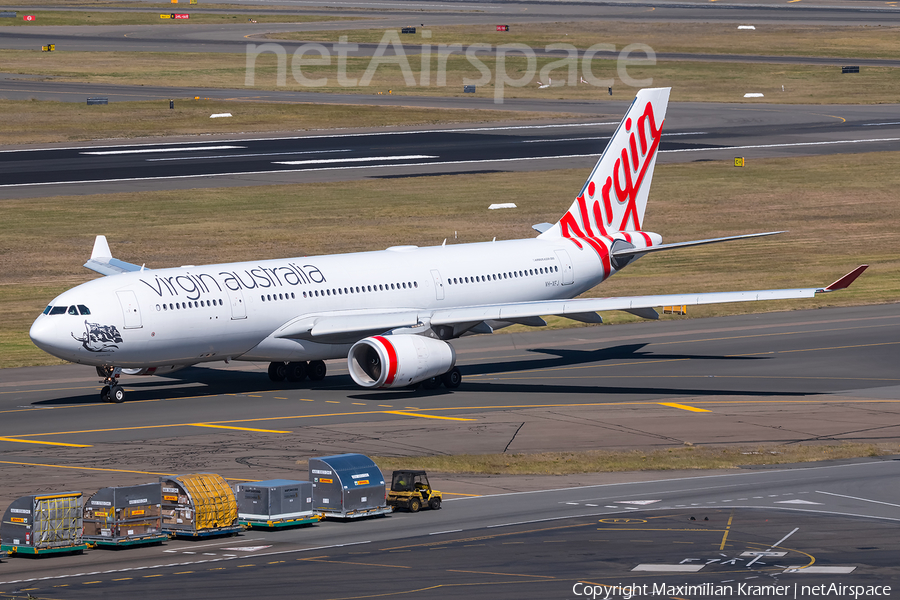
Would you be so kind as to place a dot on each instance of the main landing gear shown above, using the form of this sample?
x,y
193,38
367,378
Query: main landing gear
x,y
451,380
297,371
112,391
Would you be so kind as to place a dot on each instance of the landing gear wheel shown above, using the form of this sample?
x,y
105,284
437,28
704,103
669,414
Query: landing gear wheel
x,y
432,383
104,393
296,371
435,504
452,378
117,394
277,371
414,505
316,370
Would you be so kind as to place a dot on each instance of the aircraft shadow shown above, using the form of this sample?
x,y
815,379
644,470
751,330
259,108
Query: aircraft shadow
x,y
194,382
564,358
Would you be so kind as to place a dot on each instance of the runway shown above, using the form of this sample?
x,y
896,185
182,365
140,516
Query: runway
x,y
694,131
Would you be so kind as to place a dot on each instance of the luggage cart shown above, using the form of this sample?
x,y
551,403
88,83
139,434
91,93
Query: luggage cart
x,y
43,524
347,486
199,505
121,517
275,504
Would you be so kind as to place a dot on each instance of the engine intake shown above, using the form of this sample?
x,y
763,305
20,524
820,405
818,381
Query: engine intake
x,y
398,360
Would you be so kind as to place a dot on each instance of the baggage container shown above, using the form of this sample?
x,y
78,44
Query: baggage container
x,y
198,505
275,503
43,524
125,516
347,486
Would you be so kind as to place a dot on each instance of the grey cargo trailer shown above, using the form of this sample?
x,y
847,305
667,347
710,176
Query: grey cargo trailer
x,y
347,486
43,524
275,503
125,516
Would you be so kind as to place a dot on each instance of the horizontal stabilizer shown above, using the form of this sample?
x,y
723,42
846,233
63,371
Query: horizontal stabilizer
x,y
641,251
102,261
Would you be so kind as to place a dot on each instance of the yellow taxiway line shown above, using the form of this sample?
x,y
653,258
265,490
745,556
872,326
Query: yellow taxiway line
x,y
10,439
684,407
26,464
238,428
409,414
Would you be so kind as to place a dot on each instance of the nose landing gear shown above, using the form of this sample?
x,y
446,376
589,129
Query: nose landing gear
x,y
112,391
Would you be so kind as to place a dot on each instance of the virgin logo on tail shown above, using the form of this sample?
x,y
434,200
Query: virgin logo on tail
x,y
624,181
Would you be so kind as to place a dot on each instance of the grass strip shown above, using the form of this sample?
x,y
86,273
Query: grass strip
x,y
690,80
860,41
841,211
47,121
604,461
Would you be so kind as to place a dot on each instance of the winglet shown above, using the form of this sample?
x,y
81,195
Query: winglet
x,y
846,280
101,248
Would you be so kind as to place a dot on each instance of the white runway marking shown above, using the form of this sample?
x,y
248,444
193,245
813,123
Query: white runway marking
x,y
246,155
442,532
325,161
152,150
860,499
821,570
669,568
330,136
783,145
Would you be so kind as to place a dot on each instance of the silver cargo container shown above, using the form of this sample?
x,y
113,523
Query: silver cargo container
x,y
347,486
275,503
43,524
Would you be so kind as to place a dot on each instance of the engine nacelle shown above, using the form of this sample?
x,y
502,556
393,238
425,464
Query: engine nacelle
x,y
398,360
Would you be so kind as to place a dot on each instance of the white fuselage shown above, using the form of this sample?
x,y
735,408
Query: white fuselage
x,y
189,315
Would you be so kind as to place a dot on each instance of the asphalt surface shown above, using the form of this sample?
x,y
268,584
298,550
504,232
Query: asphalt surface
x,y
810,525
694,131
798,377
784,378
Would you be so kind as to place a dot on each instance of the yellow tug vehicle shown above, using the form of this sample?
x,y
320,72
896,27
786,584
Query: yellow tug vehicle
x,y
411,490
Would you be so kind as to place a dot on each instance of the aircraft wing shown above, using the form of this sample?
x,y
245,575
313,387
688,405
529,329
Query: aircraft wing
x,y
345,324
102,261
637,304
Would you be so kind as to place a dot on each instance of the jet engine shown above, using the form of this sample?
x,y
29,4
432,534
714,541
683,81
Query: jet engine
x,y
398,360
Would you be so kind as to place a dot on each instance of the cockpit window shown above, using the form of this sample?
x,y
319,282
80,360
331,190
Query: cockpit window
x,y
58,310
73,311
84,309
47,310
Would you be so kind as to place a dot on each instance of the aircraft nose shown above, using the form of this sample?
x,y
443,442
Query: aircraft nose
x,y
44,335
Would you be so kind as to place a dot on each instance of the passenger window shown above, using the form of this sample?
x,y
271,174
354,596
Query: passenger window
x,y
416,283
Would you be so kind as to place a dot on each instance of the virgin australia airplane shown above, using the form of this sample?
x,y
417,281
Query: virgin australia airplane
x,y
392,312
